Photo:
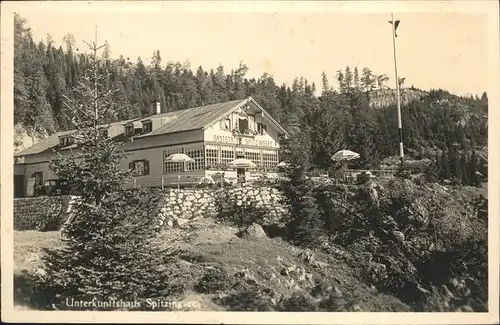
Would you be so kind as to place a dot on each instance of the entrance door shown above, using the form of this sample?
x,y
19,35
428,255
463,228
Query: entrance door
x,y
18,185
240,174
38,176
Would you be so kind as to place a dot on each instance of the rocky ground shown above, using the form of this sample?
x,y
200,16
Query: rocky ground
x,y
224,268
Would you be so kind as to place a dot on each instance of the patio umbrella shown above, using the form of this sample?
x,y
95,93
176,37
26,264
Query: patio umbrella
x,y
242,163
282,164
179,158
343,156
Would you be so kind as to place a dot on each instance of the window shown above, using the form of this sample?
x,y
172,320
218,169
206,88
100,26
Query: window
x,y
147,126
172,167
197,155
227,155
129,130
243,126
66,141
261,128
225,124
140,167
38,176
269,159
239,153
212,156
50,183
253,155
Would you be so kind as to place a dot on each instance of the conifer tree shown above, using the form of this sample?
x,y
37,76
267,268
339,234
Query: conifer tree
x,y
108,252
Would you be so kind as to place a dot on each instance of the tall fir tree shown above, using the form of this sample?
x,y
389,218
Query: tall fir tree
x,y
108,252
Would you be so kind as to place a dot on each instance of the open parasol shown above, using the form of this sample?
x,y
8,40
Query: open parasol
x,y
179,158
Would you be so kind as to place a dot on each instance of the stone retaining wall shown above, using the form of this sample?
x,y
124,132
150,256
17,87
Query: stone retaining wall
x,y
187,204
179,207
28,210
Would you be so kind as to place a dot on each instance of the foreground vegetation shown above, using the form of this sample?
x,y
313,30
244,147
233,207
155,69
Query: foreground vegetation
x,y
353,261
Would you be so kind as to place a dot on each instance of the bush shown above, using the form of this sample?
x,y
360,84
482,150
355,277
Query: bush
x,y
246,299
214,281
403,172
298,302
363,178
304,223
427,215
415,237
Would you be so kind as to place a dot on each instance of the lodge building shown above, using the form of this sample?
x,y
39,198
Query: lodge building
x,y
213,135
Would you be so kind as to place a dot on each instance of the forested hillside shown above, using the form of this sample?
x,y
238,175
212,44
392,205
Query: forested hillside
x,y
358,114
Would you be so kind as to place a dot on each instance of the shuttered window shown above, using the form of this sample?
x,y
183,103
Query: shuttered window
x,y
140,167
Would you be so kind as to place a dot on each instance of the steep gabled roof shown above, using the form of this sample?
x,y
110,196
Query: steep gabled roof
x,y
196,118
192,118
43,145
53,141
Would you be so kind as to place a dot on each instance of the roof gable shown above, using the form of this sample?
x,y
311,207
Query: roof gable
x,y
192,118
253,102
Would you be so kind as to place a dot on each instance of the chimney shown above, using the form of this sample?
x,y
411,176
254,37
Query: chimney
x,y
158,108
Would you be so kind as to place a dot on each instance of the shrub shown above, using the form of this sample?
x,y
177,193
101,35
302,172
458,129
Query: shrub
x,y
403,172
304,223
246,298
363,178
298,302
426,214
214,281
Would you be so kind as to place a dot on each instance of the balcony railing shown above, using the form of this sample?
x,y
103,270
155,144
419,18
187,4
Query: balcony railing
x,y
245,133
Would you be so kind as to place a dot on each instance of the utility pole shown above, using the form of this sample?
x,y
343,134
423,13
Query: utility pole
x,y
395,25
94,48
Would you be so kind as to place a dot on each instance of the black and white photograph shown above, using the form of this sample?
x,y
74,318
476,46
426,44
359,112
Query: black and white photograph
x,y
295,162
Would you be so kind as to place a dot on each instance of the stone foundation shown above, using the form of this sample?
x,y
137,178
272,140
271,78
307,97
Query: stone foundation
x,y
179,207
27,210
187,204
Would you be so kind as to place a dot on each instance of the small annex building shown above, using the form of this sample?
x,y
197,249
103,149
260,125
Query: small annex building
x,y
213,135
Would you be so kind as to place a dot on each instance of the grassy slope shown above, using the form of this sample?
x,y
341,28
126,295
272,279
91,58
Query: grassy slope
x,y
205,245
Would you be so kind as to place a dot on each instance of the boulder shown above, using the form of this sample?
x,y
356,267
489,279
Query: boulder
x,y
307,256
399,236
252,231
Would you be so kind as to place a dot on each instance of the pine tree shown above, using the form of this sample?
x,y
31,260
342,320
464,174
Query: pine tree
x,y
108,252
367,80
39,116
356,79
21,42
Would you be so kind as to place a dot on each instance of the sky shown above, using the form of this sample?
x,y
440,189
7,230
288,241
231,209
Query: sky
x,y
446,50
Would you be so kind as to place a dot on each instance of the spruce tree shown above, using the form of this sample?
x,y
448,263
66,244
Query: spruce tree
x,y
108,252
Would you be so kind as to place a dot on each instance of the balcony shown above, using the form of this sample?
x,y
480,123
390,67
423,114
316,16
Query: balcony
x,y
245,132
